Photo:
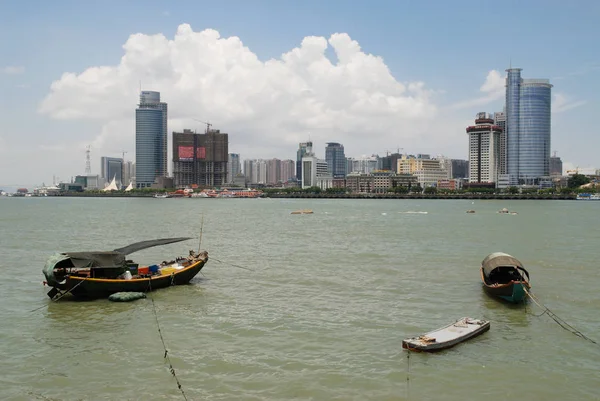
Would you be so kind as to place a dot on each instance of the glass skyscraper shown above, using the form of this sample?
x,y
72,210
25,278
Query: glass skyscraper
x,y
150,139
528,115
336,159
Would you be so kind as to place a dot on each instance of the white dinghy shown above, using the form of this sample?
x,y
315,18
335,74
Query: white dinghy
x,y
447,336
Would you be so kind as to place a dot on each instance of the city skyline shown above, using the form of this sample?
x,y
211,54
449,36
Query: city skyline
x,y
365,87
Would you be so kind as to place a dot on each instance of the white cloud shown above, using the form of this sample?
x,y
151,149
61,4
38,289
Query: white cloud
x,y
265,106
492,89
12,70
562,102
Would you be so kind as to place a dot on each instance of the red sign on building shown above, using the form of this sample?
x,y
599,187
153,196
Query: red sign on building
x,y
186,153
201,153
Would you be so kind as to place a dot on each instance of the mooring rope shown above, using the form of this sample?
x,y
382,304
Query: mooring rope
x,y
166,356
407,374
231,264
556,318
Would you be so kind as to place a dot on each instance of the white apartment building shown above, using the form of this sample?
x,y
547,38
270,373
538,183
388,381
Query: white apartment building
x,y
484,150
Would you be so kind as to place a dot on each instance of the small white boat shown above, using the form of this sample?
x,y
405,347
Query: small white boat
x,y
595,197
447,336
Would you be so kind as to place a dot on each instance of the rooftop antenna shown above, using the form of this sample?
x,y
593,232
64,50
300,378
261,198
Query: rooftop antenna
x,y
88,165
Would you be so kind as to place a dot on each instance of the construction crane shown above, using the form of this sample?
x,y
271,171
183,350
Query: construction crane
x,y
208,125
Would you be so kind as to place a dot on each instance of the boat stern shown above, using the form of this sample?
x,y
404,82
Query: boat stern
x,y
518,292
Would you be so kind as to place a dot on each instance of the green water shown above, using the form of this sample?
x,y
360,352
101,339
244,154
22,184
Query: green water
x,y
322,315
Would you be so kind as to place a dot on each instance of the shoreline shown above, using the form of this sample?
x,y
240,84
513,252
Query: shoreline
x,y
350,196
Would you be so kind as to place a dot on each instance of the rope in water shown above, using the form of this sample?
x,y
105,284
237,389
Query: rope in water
x,y
166,356
231,264
407,374
556,318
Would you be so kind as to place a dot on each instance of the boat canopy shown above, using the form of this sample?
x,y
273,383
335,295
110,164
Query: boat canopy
x,y
497,259
105,259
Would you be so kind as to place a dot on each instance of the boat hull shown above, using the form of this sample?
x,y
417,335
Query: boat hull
x,y
448,336
513,292
91,288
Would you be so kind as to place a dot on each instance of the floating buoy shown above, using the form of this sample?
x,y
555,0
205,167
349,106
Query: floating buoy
x,y
126,296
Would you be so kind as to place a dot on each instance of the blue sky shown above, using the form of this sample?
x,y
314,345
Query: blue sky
x,y
449,46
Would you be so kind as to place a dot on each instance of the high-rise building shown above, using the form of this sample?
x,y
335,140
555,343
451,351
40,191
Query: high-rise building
x,y
304,149
500,121
112,167
234,167
288,170
556,165
484,149
248,170
315,173
128,173
273,171
459,169
336,159
528,132
200,159
150,139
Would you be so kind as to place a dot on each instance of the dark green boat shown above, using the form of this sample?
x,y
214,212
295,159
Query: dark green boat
x,y
99,274
503,276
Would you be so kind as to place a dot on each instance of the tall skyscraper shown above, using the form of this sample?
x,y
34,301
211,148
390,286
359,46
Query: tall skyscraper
x,y
528,132
500,121
248,170
234,167
484,149
112,167
336,159
200,159
150,139
304,149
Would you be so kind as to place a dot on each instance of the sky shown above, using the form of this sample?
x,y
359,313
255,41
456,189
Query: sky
x,y
376,76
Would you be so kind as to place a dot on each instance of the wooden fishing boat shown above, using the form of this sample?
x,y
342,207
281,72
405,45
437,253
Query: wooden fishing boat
x,y
503,276
99,274
447,336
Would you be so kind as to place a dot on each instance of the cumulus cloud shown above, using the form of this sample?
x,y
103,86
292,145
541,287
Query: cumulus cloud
x,y
264,105
562,102
12,70
492,89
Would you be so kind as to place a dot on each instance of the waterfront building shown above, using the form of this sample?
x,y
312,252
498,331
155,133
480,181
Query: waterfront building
x,y
500,121
150,139
200,159
336,159
315,173
556,165
484,149
288,170
112,167
427,170
528,131
234,167
304,149
459,169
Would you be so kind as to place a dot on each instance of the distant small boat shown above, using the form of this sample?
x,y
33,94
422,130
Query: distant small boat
x,y
505,277
447,336
470,211
595,197
162,196
303,211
